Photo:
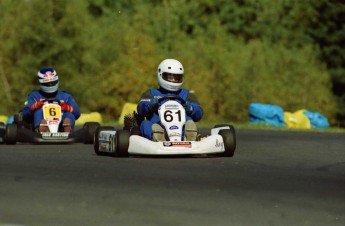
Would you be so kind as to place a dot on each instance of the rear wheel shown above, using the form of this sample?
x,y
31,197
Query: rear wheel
x,y
229,140
96,139
222,125
122,142
11,134
2,132
90,128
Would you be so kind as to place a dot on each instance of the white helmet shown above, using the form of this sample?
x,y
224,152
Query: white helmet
x,y
170,74
48,80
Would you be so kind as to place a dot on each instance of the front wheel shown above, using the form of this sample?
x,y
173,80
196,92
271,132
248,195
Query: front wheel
x,y
2,132
11,134
229,140
122,142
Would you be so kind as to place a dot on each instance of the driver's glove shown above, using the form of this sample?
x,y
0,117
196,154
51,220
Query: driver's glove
x,y
153,106
66,107
188,107
37,105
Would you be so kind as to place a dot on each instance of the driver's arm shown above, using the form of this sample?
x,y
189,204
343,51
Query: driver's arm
x,y
31,99
76,111
144,103
197,111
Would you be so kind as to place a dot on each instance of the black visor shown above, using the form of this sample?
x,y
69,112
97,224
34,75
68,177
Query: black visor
x,y
176,78
49,84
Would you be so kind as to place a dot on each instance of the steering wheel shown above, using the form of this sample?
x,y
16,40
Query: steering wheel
x,y
172,97
52,101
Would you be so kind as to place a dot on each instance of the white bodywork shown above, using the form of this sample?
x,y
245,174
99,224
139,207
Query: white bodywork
x,y
209,145
52,114
173,117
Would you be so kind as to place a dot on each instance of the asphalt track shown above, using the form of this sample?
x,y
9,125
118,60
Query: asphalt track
x,y
275,178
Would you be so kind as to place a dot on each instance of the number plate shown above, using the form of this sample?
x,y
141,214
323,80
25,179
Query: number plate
x,y
52,111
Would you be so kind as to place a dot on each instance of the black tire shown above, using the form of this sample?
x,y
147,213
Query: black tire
x,y
11,134
229,140
2,132
221,125
90,129
122,142
96,139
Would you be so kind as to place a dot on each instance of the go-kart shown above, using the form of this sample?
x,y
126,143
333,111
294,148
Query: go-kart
x,y
128,141
22,131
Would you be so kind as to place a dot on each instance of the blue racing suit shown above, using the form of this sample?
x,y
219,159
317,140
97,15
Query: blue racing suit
x,y
37,115
151,116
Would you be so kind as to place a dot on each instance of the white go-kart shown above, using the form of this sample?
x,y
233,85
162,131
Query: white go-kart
x,y
23,132
122,143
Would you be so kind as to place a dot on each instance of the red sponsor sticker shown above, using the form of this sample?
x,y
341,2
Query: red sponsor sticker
x,y
184,144
48,74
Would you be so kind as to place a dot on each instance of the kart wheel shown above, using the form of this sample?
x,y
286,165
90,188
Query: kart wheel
x,y
229,140
221,125
122,142
11,134
90,128
96,138
2,132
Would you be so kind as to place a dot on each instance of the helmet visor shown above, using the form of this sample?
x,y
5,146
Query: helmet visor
x,y
49,84
176,78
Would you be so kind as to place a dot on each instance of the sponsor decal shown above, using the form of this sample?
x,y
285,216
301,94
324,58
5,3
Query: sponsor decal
x,y
48,74
53,121
106,135
171,106
103,147
219,144
48,79
47,134
173,127
184,144
175,134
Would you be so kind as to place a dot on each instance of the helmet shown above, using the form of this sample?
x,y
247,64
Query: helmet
x,y
170,74
48,80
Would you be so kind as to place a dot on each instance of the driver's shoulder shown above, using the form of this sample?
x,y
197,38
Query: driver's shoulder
x,y
63,92
34,92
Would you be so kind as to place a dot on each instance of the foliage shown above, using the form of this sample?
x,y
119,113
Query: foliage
x,y
234,52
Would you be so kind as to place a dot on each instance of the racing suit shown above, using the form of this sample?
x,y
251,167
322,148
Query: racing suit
x,y
37,115
152,116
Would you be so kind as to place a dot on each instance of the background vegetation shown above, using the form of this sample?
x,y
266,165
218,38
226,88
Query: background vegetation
x,y
284,52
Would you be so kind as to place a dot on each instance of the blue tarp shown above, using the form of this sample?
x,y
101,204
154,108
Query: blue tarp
x,y
266,113
10,120
274,115
317,120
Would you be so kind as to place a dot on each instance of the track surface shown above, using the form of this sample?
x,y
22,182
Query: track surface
x,y
275,178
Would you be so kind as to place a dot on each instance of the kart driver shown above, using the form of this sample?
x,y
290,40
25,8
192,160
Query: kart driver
x,y
48,81
170,75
